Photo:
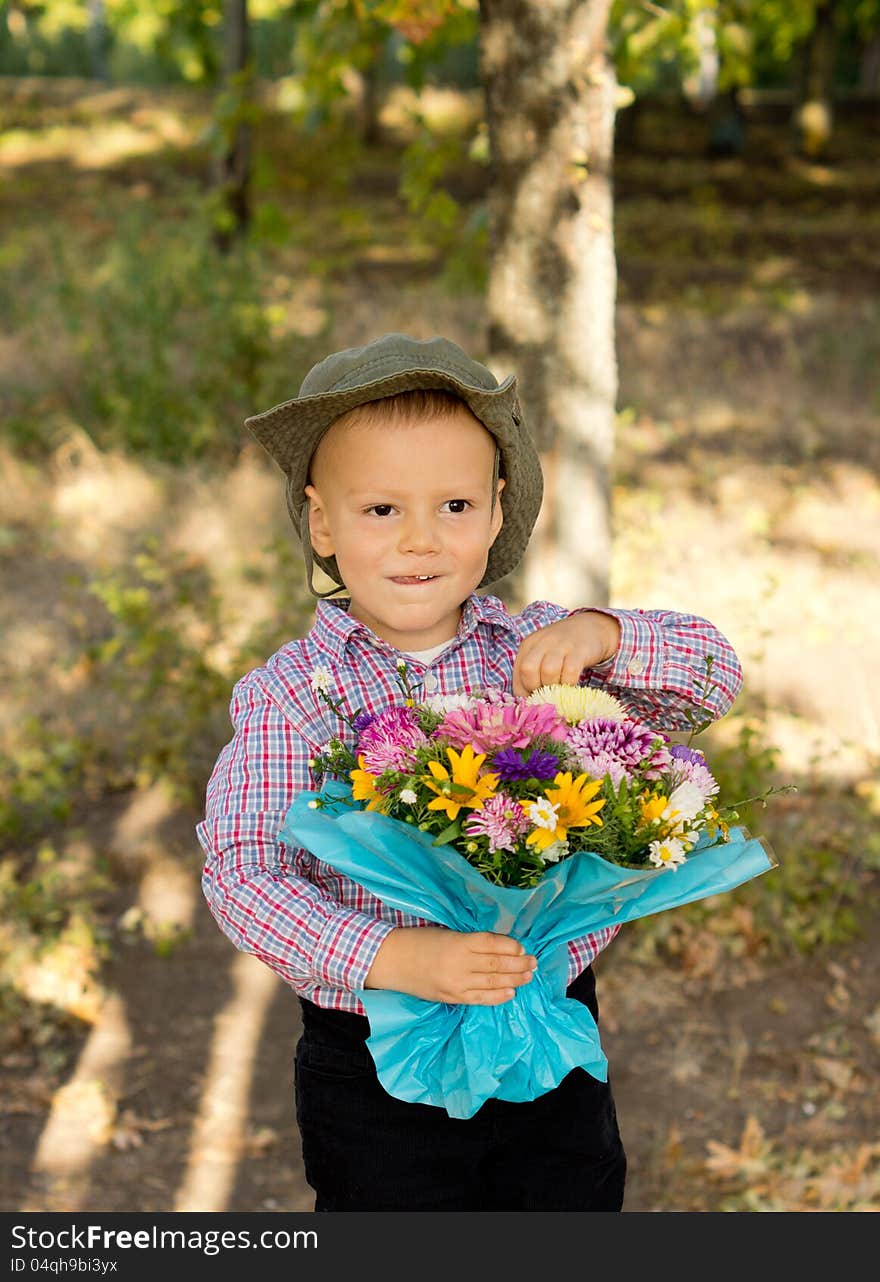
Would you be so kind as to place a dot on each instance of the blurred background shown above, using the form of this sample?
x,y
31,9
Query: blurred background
x,y
199,200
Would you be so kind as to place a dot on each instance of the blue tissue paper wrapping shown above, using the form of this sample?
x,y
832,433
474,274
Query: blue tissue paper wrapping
x,y
458,1056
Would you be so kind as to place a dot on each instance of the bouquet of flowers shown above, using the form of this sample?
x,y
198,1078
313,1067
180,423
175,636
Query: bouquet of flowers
x,y
544,817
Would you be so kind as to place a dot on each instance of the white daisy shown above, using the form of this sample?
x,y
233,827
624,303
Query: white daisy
x,y
408,797
667,854
686,801
320,680
543,813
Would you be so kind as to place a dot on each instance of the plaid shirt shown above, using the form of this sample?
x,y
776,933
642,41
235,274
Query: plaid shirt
x,y
315,928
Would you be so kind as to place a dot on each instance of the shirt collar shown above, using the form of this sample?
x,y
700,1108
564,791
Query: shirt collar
x,y
334,627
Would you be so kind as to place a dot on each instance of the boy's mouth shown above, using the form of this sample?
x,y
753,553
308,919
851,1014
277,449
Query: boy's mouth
x,y
413,580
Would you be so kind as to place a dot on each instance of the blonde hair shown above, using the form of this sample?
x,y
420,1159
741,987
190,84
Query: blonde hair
x,y
427,402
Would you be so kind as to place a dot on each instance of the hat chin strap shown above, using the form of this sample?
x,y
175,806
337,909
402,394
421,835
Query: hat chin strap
x,y
308,555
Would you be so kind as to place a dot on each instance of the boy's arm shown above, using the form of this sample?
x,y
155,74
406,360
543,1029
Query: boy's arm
x,y
249,881
266,909
654,661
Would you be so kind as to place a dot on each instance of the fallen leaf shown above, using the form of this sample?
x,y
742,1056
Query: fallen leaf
x,y
835,1071
260,1141
749,1159
129,1130
838,998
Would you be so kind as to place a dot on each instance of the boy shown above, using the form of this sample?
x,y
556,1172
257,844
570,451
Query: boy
x,y
412,481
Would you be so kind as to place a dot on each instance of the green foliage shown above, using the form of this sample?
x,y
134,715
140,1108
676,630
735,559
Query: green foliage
x,y
46,894
164,616
39,777
757,41
171,340
458,235
817,893
160,42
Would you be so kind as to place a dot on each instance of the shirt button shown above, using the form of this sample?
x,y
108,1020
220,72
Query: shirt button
x,y
636,666
431,683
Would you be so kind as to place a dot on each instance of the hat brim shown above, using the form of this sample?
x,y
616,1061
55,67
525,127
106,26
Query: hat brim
x,y
290,433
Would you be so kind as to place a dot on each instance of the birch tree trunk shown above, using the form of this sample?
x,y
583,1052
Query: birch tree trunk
x,y
550,94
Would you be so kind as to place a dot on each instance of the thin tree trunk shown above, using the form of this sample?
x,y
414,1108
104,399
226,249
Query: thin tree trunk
x,y
234,162
550,92
813,117
370,101
869,66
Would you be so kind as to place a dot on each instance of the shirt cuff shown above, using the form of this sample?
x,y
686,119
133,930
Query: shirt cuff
x,y
639,662
347,948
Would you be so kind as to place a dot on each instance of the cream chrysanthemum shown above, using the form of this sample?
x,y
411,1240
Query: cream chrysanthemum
x,y
579,703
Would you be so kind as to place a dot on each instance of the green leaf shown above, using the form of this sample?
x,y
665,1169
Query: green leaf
x,y
448,834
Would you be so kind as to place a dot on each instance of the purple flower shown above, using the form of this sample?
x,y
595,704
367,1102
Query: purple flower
x,y
390,740
599,744
689,766
510,766
362,720
686,770
601,764
502,820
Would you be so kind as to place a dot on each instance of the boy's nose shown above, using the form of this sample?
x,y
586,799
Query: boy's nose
x,y
419,535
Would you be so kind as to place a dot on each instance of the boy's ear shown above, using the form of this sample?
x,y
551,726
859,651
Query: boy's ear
x,y
319,526
497,513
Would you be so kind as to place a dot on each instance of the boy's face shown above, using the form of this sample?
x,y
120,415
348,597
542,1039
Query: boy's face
x,y
400,500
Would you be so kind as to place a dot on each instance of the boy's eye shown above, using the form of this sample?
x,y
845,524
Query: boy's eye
x,y
455,506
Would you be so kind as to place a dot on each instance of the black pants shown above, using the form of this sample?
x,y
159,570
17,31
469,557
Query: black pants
x,y
365,1150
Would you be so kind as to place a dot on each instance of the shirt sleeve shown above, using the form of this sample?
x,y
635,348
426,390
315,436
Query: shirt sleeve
x,y
586,948
659,674
659,671
249,877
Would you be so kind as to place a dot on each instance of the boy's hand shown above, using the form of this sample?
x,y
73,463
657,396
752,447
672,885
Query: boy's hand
x,y
438,965
560,652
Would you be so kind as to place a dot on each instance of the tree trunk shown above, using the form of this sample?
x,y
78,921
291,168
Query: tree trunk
x,y
370,103
98,38
701,86
869,65
550,92
234,162
813,115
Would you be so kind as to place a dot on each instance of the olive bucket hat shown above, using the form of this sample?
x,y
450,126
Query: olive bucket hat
x,y
395,363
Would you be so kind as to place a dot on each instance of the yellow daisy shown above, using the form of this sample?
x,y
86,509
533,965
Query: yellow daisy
x,y
571,805
464,787
363,788
652,809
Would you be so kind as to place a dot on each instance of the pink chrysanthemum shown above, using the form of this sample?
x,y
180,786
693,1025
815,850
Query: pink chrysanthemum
x,y
502,820
390,740
492,725
695,772
630,744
